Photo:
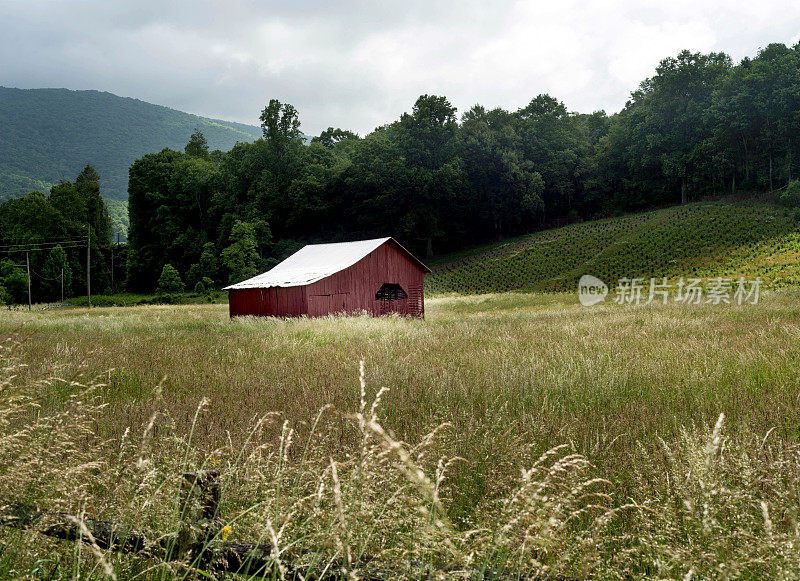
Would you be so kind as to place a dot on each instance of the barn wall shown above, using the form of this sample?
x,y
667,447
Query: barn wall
x,y
268,302
353,289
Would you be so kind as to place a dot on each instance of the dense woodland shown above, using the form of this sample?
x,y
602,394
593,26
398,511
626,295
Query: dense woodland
x,y
50,235
434,180
439,182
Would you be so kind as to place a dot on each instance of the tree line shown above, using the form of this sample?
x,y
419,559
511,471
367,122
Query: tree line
x,y
434,180
48,236
438,182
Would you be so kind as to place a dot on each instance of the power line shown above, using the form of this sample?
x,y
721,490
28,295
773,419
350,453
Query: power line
x,y
42,246
82,240
41,249
67,241
46,278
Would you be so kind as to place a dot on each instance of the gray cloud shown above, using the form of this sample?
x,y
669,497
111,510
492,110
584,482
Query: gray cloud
x,y
360,64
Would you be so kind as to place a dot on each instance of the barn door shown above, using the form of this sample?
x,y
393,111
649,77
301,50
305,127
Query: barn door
x,y
323,305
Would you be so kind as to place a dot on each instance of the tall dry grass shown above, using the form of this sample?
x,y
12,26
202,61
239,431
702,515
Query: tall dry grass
x,y
516,433
374,509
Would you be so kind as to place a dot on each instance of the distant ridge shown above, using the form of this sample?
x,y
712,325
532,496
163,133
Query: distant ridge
x,y
47,135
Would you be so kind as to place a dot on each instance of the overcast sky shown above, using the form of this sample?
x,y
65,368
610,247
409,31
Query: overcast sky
x,y
357,65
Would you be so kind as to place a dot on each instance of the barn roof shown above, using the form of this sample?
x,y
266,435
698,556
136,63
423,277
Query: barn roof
x,y
317,261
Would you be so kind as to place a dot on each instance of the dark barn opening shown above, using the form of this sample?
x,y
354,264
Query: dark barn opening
x,y
390,292
392,298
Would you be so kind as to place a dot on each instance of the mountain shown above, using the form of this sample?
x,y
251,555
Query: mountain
x,y
729,239
47,135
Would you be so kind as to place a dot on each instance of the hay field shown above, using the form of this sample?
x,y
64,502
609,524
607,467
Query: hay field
x,y
649,481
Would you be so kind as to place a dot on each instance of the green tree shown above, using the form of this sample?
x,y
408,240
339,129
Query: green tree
x,y
276,162
428,139
753,117
241,258
88,185
669,113
790,196
280,124
82,207
170,281
332,136
88,175
56,264
553,141
170,203
15,281
504,190
31,219
197,146
209,262
205,286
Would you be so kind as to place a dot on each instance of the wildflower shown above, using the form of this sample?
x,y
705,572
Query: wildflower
x,y
225,532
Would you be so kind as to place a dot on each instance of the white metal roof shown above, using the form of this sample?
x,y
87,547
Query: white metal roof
x,y
312,263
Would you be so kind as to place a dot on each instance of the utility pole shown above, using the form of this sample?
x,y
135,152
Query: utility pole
x,y
28,264
89,266
62,284
112,267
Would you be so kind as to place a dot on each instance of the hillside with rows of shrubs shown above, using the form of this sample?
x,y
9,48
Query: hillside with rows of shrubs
x,y
728,239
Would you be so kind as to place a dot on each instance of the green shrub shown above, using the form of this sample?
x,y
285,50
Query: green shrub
x,y
790,196
17,285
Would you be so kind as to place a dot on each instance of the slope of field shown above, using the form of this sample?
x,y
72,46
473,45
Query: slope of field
x,y
701,240
47,135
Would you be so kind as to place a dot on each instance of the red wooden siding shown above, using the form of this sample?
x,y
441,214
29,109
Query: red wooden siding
x,y
268,302
351,290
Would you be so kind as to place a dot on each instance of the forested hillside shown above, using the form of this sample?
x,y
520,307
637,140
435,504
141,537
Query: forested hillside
x,y
439,182
47,135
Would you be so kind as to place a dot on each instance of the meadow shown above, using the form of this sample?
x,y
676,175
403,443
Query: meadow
x,y
513,431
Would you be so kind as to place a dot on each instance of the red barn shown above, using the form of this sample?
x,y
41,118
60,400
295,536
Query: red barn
x,y
378,276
